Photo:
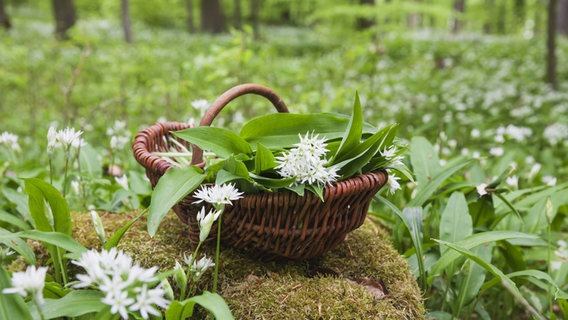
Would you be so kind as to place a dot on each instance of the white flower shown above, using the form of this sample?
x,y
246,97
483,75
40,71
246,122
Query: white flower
x,y
114,273
70,137
29,282
202,105
389,153
393,183
75,186
534,170
549,180
200,266
512,181
145,299
98,225
122,181
481,189
218,195
119,142
118,300
496,151
305,163
137,273
206,221
10,140
65,138
475,133
556,133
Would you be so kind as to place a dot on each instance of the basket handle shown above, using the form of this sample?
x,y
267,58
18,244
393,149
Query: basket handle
x,y
228,96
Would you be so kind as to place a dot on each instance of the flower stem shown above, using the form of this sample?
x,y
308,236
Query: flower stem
x,y
188,273
217,249
65,173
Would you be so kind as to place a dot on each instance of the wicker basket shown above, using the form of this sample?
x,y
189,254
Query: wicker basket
x,y
267,225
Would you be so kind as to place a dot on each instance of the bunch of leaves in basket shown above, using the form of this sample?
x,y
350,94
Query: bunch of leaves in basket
x,y
281,151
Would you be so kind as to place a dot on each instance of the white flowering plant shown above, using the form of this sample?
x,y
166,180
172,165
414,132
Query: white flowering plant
x,y
281,151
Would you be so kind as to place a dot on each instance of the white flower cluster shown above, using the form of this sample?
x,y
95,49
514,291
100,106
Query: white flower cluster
x,y
29,282
197,267
125,284
201,105
391,156
306,163
66,139
218,196
119,135
10,140
556,133
518,134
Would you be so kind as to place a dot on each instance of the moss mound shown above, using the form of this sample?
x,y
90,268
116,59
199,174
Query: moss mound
x,y
363,278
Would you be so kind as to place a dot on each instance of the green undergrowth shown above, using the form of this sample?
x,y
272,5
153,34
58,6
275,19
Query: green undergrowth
x,y
363,278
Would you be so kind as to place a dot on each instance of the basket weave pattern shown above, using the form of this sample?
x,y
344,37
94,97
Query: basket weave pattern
x,y
268,225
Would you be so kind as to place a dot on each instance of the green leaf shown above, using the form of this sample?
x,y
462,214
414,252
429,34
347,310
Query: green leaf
x,y
363,153
14,242
472,280
74,304
173,186
214,303
424,160
532,274
317,190
298,189
115,239
58,239
12,306
221,141
506,281
280,130
352,136
424,193
13,220
412,219
40,191
473,241
264,159
90,163
275,183
455,223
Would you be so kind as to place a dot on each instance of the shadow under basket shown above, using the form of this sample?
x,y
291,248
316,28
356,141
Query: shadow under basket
x,y
271,226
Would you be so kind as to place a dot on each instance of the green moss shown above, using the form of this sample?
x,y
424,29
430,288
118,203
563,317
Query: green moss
x,y
363,278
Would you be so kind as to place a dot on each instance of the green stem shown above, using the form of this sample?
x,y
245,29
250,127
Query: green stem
x,y
65,173
50,169
188,273
39,310
217,249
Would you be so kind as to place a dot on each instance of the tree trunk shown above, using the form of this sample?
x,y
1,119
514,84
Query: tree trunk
x,y
366,23
190,21
502,18
254,10
237,14
488,24
520,12
562,17
212,16
459,7
65,17
551,46
4,18
125,15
